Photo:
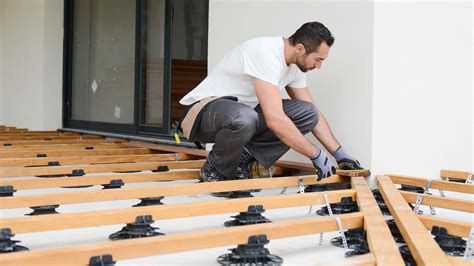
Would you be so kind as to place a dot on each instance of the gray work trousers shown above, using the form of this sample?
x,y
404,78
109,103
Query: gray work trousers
x,y
233,126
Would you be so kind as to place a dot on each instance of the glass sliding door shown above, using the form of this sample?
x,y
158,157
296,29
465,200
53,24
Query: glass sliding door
x,y
119,63
103,61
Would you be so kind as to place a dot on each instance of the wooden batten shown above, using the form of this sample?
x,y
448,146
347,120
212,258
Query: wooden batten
x,y
457,228
132,248
441,202
86,180
96,159
102,152
62,147
435,184
39,133
455,174
422,246
15,143
36,183
40,223
47,138
101,168
166,190
381,243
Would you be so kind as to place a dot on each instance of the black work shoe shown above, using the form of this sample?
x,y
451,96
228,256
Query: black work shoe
x,y
209,173
244,168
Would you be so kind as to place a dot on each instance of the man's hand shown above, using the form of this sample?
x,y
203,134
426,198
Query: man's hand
x,y
345,161
324,167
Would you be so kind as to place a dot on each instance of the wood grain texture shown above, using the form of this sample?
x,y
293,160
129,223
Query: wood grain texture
x,y
422,246
165,190
441,202
10,162
133,248
381,243
100,168
40,223
435,184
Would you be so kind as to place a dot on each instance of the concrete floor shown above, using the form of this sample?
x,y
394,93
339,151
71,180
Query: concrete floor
x,y
294,251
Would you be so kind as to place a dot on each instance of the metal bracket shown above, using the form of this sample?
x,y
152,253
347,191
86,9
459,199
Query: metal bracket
x,y
339,224
270,171
469,178
441,193
301,184
469,245
341,232
419,199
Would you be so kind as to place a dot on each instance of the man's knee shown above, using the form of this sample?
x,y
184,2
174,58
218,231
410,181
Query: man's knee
x,y
308,115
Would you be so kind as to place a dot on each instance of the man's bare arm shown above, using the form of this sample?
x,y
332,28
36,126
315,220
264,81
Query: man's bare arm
x,y
278,122
321,131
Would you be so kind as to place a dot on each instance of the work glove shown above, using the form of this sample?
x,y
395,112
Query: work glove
x,y
324,167
345,161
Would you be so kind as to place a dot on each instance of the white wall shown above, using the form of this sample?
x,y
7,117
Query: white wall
x,y
32,63
53,64
1,59
397,87
342,88
22,63
422,106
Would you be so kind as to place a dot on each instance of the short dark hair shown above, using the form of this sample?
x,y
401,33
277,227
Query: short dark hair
x,y
311,35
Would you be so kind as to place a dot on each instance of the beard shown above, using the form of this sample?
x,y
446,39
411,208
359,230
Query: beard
x,y
300,64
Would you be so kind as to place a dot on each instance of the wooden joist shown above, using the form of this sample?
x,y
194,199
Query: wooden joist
x,y
441,202
456,228
100,168
47,138
455,174
32,154
435,184
41,133
422,246
96,159
35,183
87,180
29,224
62,147
161,147
165,190
18,130
53,142
381,243
127,249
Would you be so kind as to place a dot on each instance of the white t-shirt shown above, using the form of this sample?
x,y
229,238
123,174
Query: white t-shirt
x,y
261,58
